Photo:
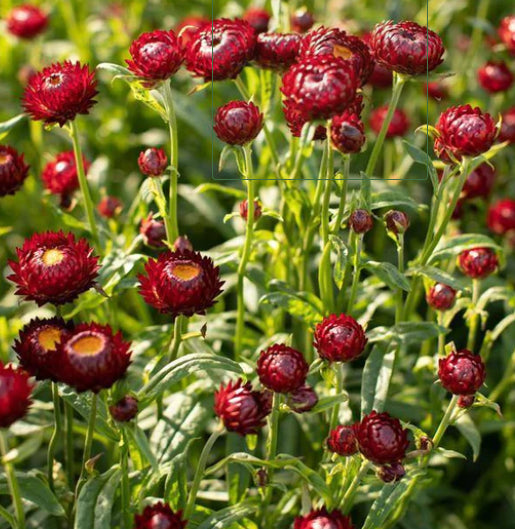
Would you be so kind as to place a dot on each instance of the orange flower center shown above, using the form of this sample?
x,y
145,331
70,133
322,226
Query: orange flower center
x,y
4,158
49,337
52,257
54,79
186,271
88,345
342,51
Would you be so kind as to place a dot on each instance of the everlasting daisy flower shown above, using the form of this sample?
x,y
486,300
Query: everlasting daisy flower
x,y
152,161
277,51
153,232
159,516
13,170
258,18
339,338
238,122
181,282
347,133
15,390
53,267
282,369
109,207
302,20
398,126
323,519
501,216
26,21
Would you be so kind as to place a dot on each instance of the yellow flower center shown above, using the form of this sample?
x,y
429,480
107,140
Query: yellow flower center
x,y
186,271
49,337
55,79
342,51
52,257
4,158
88,345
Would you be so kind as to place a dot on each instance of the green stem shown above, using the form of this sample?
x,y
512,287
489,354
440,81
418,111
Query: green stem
x,y
338,368
398,84
88,443
199,472
399,295
125,486
474,317
441,335
247,248
357,269
445,422
12,482
68,413
56,435
349,495
176,338
324,227
343,196
83,183
271,446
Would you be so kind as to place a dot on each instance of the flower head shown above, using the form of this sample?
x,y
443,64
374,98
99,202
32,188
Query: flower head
x,y
478,263
323,519
302,20
26,21
15,390
54,267
479,182
461,372
109,207
277,51
295,119
495,77
441,297
244,209
347,133
361,221
501,216
13,170
282,369
258,18
187,28
59,92
125,409
152,161
153,232
391,472
396,221
342,441
507,132
506,32
238,122
159,516
339,338
399,125
302,399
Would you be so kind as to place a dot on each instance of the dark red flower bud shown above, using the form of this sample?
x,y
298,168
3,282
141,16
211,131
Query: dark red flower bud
x,y
221,50
495,77
361,221
13,170
181,282
37,345
342,441
302,20
424,443
507,132
155,56
277,51
26,21
323,519
406,47
501,216
339,338
182,243
322,86
244,209
302,399
241,409
436,90
153,232
399,125
506,33
347,133
238,122
381,438
441,297
258,18
461,372
59,92
464,131
125,409
15,392
282,369
53,267
187,28
295,119
152,161
479,182
478,263
60,175
396,221
159,516
109,207
391,473
466,401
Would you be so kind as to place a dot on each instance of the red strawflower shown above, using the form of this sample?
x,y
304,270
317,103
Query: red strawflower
x,y
406,47
60,175
479,182
109,207
337,43
381,77
302,20
59,92
125,409
187,28
155,56
36,346
302,399
152,161
181,283
153,232
182,243
436,90
281,368
391,473
322,86
53,267
461,372
339,338
478,263
159,516
399,125
396,221
221,50
258,18
507,132
238,122
501,216
323,519
464,131
244,209
15,392
277,51
361,221
495,77
13,170
441,297
26,21
506,32
92,357
296,120
347,133
342,441
241,409
381,438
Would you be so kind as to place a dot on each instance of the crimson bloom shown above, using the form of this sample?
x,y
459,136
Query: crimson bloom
x,y
436,90
53,267
238,122
495,77
506,32
152,161
13,170
461,372
244,209
302,20
15,390
180,282
323,519
347,133
501,216
478,263
92,357
295,119
339,338
507,132
26,21
441,297
399,125
36,346
396,221
159,516
342,441
361,221
281,368
153,231
258,18
109,207
125,409
241,409
277,51
479,182
221,50
59,92
187,28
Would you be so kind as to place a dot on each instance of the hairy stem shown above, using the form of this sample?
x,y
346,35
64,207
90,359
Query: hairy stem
x,y
12,482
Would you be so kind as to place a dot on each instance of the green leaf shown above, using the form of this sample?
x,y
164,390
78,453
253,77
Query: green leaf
x,y
139,441
224,189
25,449
117,69
469,430
407,333
6,126
438,275
327,403
455,245
388,274
225,517
342,254
420,156
294,305
393,199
